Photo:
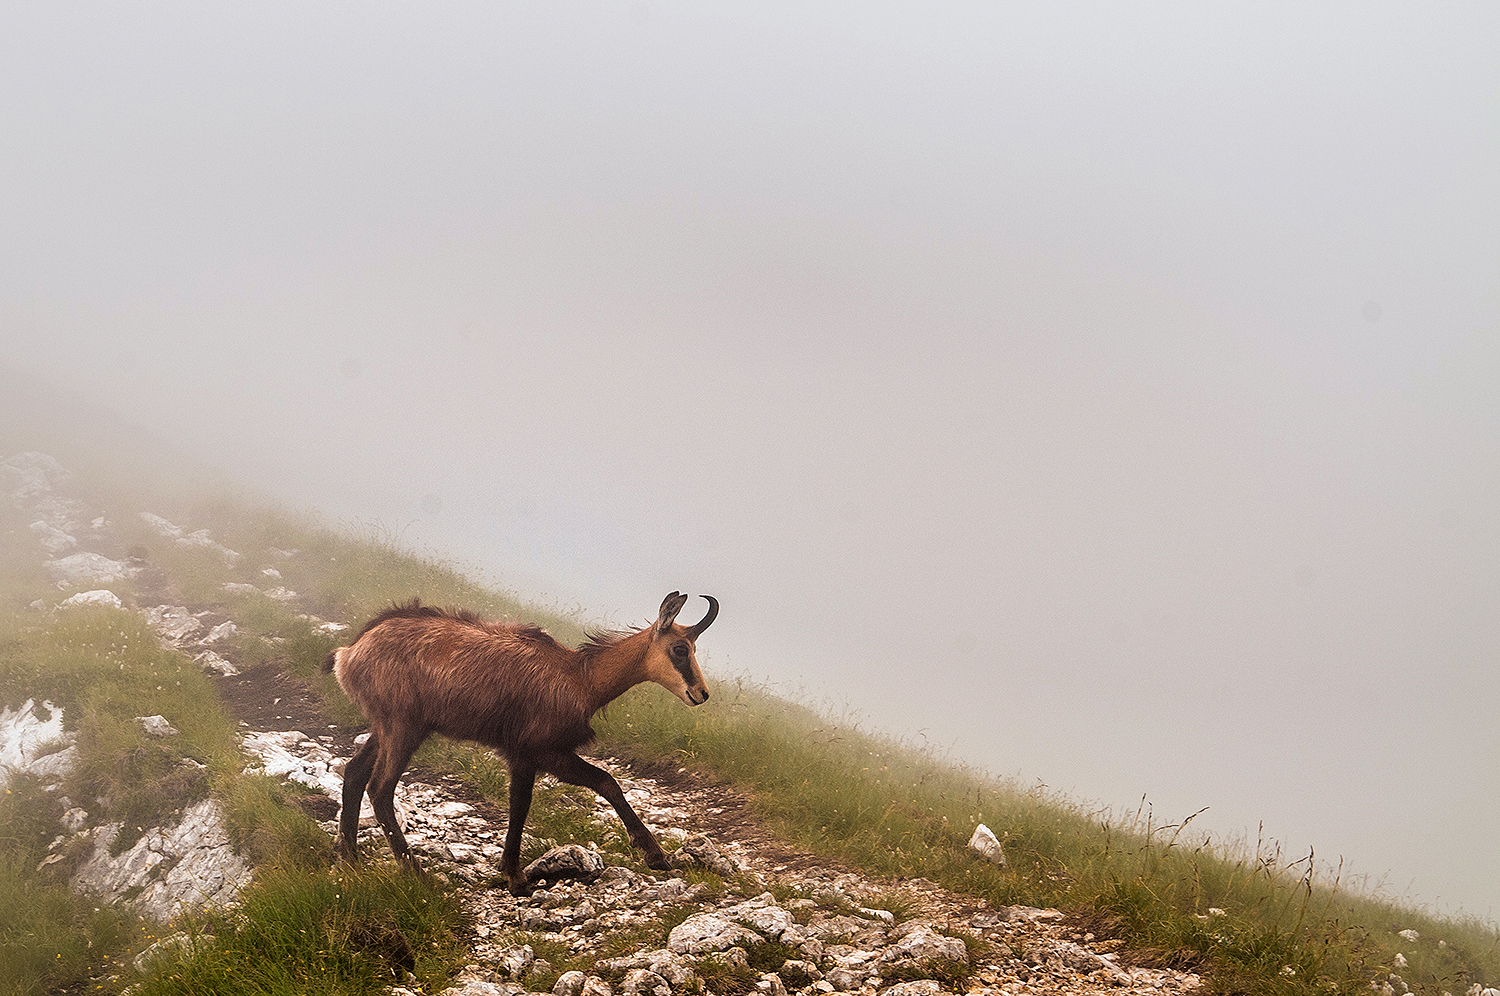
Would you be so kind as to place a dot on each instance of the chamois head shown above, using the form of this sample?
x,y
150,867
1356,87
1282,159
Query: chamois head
x,y
671,659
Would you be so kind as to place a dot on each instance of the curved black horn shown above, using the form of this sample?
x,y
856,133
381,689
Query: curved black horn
x,y
707,620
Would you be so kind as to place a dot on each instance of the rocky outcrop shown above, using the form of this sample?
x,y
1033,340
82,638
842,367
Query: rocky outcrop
x,y
198,538
32,745
169,870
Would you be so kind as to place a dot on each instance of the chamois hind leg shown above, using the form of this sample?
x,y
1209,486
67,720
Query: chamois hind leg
x,y
356,777
390,765
522,780
576,771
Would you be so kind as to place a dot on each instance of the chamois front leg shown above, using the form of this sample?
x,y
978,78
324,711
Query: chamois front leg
x,y
576,771
522,779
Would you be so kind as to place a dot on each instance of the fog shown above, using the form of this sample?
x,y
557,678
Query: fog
x,y
1109,395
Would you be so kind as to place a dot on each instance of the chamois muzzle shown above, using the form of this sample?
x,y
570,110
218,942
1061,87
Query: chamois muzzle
x,y
706,621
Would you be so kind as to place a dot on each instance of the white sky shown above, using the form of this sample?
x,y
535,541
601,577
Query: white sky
x,y
1106,392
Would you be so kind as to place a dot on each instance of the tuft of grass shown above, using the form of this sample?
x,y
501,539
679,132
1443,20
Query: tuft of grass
x,y
351,931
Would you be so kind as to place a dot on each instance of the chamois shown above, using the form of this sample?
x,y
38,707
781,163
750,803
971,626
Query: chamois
x,y
415,670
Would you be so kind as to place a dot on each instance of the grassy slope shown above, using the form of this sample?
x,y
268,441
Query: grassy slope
x,y
875,804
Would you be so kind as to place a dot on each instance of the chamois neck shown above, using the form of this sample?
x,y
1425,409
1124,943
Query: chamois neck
x,y
613,665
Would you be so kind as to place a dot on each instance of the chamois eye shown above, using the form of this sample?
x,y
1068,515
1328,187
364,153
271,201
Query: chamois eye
x,y
679,650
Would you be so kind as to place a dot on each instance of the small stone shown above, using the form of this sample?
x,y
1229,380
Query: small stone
x,y
703,932
210,661
100,596
174,622
770,983
844,979
157,726
644,982
984,844
172,946
922,942
514,961
698,851
920,987
800,972
565,861
569,984
595,986
223,631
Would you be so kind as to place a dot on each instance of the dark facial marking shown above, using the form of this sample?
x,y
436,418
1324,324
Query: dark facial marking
x,y
682,660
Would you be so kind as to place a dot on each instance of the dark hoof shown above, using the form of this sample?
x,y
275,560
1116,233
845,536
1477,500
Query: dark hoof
x,y
658,861
409,862
519,886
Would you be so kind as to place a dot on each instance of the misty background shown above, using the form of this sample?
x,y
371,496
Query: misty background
x,y
1108,394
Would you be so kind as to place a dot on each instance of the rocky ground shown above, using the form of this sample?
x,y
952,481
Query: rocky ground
x,y
775,920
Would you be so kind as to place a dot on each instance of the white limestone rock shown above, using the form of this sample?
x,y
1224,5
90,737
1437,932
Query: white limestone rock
x,y
157,726
699,851
704,932
50,769
203,869
174,623
180,945
53,540
294,756
918,987
26,738
921,943
89,568
197,538
569,984
210,661
984,844
224,631
566,861
99,596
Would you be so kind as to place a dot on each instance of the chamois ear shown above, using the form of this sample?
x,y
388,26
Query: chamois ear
x,y
670,606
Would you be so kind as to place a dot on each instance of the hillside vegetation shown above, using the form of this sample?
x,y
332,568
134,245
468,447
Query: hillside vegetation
x,y
1258,922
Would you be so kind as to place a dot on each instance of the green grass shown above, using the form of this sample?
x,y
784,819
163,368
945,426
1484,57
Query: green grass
x,y
890,809
49,938
1288,925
